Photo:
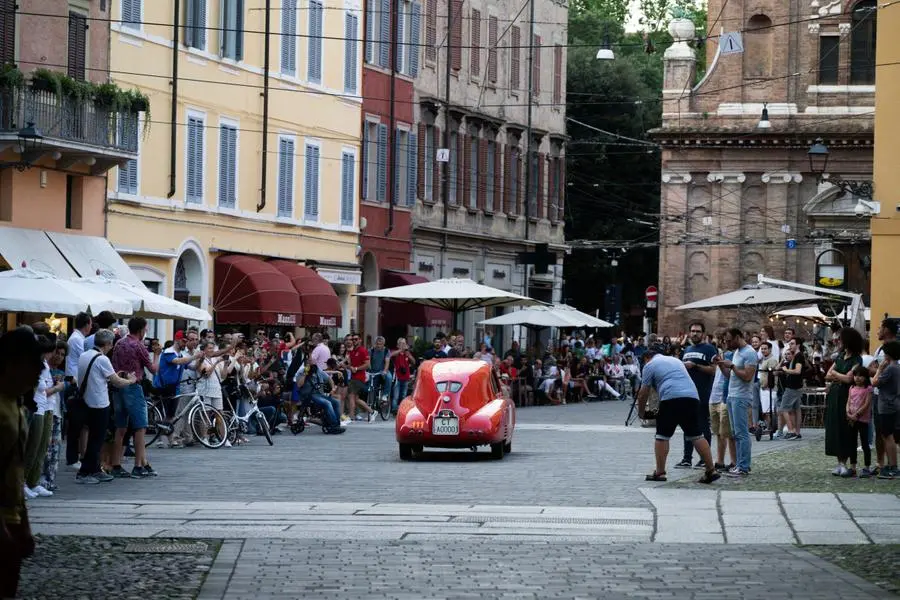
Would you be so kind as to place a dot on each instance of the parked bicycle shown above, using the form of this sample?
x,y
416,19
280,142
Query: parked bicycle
x,y
207,424
378,396
238,425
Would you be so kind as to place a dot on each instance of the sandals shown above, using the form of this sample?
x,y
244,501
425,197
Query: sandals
x,y
654,476
709,477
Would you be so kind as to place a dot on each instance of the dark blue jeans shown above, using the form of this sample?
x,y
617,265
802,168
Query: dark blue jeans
x,y
330,407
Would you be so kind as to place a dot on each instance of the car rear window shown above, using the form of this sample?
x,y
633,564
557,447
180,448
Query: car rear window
x,y
448,386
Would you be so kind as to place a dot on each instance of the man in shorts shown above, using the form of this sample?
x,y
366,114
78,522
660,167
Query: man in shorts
x,y
359,365
679,406
719,421
793,391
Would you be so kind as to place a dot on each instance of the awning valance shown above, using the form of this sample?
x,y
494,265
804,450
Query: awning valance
x,y
320,303
395,314
250,290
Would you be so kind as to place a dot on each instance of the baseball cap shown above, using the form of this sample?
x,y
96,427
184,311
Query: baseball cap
x,y
179,335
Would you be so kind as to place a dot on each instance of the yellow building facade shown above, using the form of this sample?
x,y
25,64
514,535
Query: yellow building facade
x,y
886,225
197,191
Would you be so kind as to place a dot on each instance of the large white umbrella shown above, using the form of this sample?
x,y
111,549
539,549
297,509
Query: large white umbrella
x,y
558,315
146,303
770,298
813,313
27,290
455,295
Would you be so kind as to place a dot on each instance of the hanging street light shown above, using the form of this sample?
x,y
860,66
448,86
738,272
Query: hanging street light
x,y
818,155
30,141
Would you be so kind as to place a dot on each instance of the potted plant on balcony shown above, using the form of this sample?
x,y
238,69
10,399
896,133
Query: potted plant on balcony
x,y
139,102
11,78
74,89
45,80
108,96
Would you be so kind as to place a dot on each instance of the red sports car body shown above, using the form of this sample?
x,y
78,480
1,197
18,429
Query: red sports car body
x,y
456,403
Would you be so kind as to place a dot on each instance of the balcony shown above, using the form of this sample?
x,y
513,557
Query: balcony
x,y
75,131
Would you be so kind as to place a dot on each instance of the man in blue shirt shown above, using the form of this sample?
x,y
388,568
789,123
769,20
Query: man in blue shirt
x,y
742,373
679,404
698,359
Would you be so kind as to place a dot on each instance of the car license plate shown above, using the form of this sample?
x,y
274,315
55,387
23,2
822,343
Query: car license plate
x,y
445,425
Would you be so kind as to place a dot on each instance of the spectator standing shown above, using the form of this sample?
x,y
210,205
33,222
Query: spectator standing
x,y
698,360
886,334
320,353
741,371
359,365
404,363
75,412
46,391
840,438
887,380
858,410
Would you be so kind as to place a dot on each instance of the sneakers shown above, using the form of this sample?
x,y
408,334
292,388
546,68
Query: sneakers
x,y
41,491
150,471
335,430
700,464
724,468
119,473
887,473
865,473
227,444
371,417
847,473
87,479
737,473
684,464
781,436
139,473
101,477
76,466
709,477
837,470
29,494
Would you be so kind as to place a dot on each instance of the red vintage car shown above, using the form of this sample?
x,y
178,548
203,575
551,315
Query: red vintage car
x,y
456,403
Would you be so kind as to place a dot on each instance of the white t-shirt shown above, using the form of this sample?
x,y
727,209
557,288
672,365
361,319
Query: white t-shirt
x,y
76,349
96,395
45,382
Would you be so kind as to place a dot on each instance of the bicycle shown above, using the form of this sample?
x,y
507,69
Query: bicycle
x,y
203,420
241,425
378,398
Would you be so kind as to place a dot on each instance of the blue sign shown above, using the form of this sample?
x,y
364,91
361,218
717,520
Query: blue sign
x,y
791,244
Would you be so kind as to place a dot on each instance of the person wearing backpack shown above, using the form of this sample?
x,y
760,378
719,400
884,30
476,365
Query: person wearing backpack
x,y
94,372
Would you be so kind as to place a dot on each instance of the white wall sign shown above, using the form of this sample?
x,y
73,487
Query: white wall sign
x,y
443,155
341,277
731,43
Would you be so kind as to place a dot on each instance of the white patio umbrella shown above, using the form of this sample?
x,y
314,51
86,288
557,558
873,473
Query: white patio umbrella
x,y
455,295
146,303
538,317
813,313
770,299
27,290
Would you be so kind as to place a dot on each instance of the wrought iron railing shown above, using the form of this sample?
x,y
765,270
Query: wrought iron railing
x,y
68,119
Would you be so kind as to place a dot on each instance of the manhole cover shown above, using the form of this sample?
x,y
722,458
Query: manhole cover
x,y
561,520
166,548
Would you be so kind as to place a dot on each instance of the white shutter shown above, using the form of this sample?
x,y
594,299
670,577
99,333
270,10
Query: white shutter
x,y
194,179
412,167
414,38
289,37
347,193
401,38
370,31
384,34
351,31
314,58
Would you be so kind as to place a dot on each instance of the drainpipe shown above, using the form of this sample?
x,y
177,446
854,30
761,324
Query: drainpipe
x,y
265,123
392,136
173,136
528,134
445,184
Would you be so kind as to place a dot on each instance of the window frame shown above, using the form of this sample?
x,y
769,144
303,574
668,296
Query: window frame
x,y
235,53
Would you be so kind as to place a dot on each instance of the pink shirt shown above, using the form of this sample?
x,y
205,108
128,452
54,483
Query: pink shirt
x,y
130,355
320,356
856,400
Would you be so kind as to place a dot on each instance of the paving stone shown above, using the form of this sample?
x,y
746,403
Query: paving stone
x,y
871,501
754,520
832,537
759,535
808,498
728,495
818,524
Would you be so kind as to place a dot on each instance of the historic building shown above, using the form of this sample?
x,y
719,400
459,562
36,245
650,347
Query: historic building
x,y
244,199
474,114
739,194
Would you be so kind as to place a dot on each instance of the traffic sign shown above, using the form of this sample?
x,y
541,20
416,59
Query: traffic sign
x,y
443,155
652,294
731,43
790,244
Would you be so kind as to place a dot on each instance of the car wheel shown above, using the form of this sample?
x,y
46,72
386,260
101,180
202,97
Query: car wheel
x,y
507,447
406,451
418,449
497,450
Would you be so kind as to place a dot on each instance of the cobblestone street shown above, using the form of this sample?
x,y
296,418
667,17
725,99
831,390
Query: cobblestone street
x,y
566,515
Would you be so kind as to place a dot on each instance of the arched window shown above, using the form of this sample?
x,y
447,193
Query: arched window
x,y
862,43
758,47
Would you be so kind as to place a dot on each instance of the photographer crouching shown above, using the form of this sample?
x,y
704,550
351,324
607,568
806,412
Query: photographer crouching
x,y
311,385
679,405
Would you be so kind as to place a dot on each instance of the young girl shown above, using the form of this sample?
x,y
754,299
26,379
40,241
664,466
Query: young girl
x,y
859,409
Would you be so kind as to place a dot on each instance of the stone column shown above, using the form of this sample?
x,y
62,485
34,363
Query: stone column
x,y
781,263
672,250
679,68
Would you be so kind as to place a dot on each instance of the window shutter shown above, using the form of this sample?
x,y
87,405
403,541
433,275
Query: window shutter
x,y
515,53
561,202
189,23
456,18
475,50
462,158
311,183
384,35
557,74
314,58
382,159
289,37
415,35
473,161
224,167
431,30
364,164
492,49
498,176
541,165
370,31
239,30
536,65
131,13
395,168
194,179
482,172
436,167
77,46
347,195
351,31
420,162
412,168
286,178
200,25
128,177
7,32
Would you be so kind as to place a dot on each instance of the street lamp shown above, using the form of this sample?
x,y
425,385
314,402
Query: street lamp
x,y
30,141
605,52
818,162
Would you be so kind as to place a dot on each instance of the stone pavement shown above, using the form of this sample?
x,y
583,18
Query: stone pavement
x,y
566,515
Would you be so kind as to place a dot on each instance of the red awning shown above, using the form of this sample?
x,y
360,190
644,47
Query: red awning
x,y
249,290
321,305
405,313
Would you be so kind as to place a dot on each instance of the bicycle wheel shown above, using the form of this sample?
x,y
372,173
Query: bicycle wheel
x,y
232,426
154,418
208,426
263,425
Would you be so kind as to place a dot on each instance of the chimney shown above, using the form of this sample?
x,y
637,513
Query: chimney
x,y
679,67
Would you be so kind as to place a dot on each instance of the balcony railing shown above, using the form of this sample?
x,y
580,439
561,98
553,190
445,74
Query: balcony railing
x,y
68,120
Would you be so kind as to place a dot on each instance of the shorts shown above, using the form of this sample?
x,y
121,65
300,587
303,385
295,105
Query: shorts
x,y
357,388
886,425
766,398
131,407
678,412
719,422
790,400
